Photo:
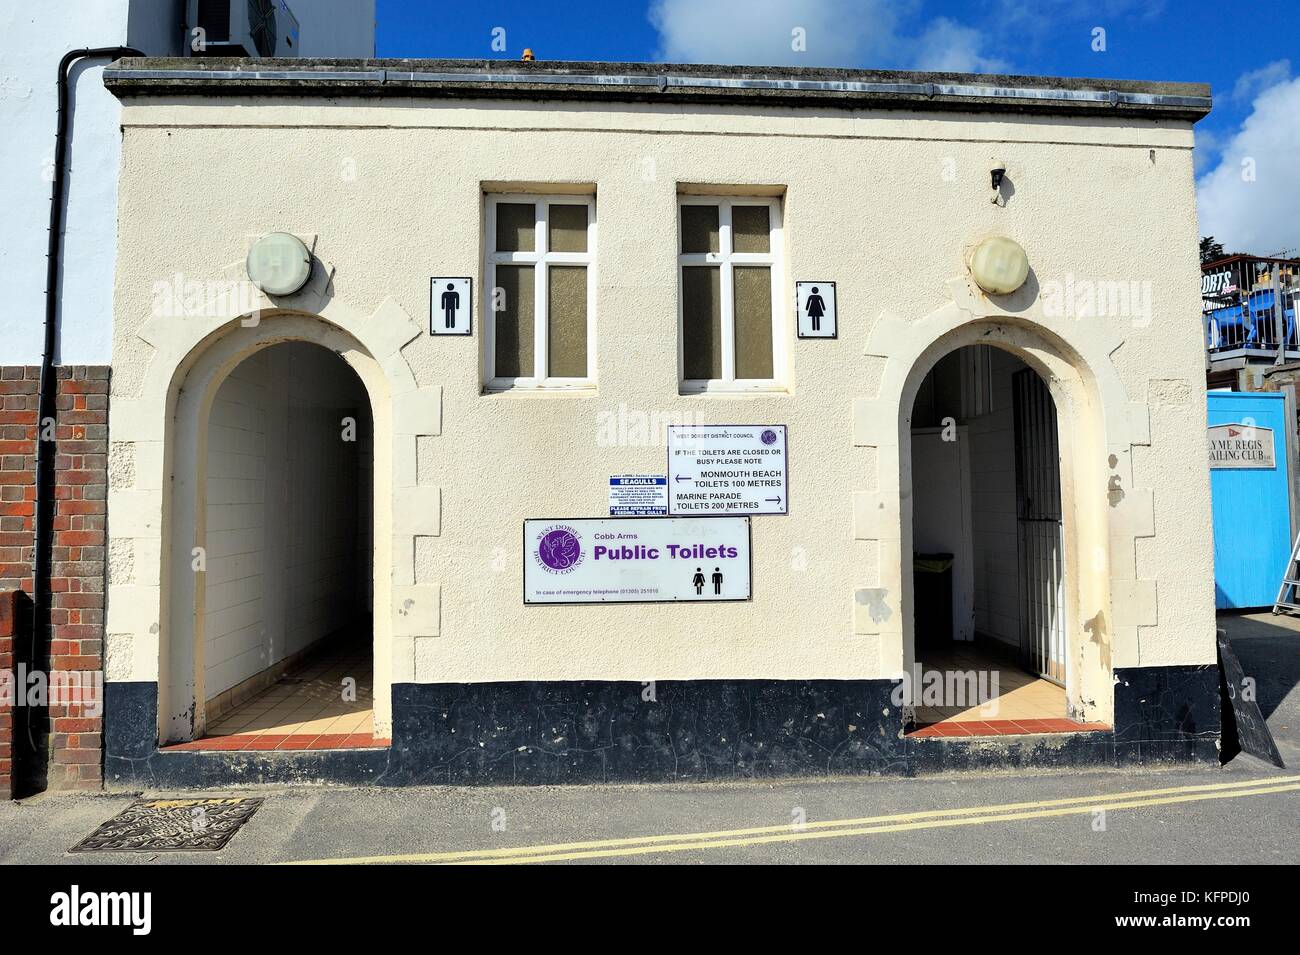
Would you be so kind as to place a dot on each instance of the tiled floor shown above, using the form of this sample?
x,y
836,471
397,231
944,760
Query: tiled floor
x,y
305,709
1024,704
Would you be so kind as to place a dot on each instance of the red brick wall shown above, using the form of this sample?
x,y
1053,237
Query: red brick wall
x,y
8,620
17,475
68,731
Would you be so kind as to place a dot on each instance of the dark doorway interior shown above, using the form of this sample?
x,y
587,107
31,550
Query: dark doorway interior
x,y
986,533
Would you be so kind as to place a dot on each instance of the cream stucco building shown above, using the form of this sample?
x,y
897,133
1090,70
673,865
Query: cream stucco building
x,y
633,236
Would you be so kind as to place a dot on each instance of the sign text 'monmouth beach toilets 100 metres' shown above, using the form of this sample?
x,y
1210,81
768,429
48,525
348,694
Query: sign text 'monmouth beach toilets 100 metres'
x,y
727,469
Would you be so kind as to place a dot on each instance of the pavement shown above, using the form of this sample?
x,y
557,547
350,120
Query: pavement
x,y
1244,812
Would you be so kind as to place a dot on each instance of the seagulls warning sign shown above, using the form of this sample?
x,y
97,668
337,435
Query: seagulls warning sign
x,y
727,470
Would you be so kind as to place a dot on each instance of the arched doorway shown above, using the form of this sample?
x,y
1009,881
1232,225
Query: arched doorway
x,y
272,644
999,445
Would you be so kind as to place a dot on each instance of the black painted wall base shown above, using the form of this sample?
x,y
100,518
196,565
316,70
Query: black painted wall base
x,y
595,731
1167,714
602,731
132,759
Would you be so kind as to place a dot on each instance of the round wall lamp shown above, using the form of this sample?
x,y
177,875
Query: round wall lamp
x,y
999,265
279,263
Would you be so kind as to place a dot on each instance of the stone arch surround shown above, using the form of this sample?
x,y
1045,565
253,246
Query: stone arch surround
x,y
1099,428
158,431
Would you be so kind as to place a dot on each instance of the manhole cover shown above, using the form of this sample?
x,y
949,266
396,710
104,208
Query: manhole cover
x,y
171,825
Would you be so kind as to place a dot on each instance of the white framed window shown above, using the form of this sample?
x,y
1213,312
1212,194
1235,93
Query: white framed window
x,y
730,333
540,272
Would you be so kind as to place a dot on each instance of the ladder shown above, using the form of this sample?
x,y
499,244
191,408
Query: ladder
x,y
1289,602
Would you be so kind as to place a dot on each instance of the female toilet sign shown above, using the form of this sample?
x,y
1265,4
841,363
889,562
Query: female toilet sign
x,y
815,304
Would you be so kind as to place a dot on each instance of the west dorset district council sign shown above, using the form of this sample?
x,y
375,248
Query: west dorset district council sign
x,y
636,559
727,469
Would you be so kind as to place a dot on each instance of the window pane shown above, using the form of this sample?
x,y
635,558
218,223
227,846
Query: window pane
x,y
753,296
751,229
702,322
568,228
516,225
514,323
700,229
567,334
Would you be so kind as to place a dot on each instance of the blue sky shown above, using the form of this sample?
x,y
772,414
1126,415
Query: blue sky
x,y
1243,50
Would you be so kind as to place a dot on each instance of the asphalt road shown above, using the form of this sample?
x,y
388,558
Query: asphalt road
x,y
1245,812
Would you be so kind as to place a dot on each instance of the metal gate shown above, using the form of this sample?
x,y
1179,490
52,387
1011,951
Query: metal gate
x,y
1039,541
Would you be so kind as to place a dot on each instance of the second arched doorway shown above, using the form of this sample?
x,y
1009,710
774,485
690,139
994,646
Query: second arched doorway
x,y
989,567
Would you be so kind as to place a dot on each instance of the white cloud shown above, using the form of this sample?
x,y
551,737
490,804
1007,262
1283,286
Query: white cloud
x,y
1042,15
844,33
1207,149
949,47
761,32
1250,201
1249,84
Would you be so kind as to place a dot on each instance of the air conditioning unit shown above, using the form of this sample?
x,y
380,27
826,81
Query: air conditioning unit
x,y
253,28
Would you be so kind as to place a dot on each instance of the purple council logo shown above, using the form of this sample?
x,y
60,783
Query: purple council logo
x,y
559,549
769,436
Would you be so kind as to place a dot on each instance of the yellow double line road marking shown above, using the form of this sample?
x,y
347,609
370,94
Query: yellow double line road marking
x,y
833,829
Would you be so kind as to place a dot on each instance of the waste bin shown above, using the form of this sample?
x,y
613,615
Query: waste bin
x,y
932,598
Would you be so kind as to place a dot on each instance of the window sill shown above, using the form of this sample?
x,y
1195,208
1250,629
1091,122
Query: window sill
x,y
729,390
583,390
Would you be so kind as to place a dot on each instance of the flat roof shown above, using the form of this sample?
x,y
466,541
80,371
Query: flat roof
x,y
658,82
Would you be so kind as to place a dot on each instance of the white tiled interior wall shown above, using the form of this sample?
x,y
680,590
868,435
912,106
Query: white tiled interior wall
x,y
287,558
993,507
234,585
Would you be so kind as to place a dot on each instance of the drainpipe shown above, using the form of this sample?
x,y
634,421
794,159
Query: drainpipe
x,y
44,504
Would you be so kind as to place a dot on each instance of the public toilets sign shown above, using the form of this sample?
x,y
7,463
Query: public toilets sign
x,y
636,559
1241,446
727,469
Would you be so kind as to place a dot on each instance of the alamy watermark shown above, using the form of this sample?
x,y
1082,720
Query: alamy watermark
x,y
179,297
37,688
626,427
948,688
75,907
1103,298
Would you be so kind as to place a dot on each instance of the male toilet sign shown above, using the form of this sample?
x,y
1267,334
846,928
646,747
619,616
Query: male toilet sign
x,y
815,302
451,304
